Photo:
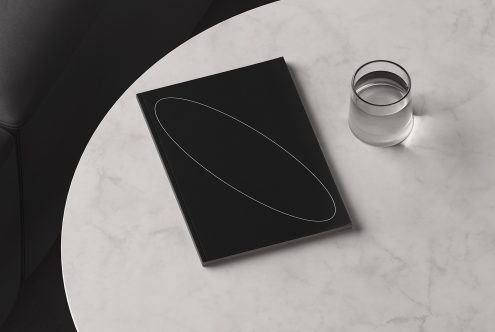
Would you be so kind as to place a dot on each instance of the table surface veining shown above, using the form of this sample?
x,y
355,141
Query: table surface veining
x,y
422,254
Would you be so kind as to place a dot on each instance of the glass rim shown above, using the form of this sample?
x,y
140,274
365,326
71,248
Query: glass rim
x,y
381,105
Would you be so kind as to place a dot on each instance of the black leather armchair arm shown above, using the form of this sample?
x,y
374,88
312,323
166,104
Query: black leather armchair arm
x,y
10,225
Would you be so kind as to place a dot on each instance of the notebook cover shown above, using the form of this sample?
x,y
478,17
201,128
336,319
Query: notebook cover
x,y
243,160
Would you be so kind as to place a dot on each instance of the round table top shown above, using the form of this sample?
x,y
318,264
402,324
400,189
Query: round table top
x,y
422,254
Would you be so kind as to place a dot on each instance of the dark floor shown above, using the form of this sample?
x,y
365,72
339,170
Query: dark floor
x,y
42,305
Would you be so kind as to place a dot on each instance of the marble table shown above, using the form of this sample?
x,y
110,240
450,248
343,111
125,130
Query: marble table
x,y
422,254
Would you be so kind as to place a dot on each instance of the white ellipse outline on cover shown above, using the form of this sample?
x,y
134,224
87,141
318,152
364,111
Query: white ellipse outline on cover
x,y
228,184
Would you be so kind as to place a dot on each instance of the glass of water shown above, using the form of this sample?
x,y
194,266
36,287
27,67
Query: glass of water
x,y
381,111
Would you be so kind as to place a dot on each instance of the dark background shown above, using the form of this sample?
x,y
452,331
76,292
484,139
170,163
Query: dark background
x,y
64,63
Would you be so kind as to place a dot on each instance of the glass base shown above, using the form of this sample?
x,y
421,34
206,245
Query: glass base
x,y
382,140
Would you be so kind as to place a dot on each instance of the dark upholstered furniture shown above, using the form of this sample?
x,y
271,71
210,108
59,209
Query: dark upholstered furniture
x,y
63,63
10,224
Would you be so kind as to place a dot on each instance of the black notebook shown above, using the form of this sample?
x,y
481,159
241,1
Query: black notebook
x,y
243,160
